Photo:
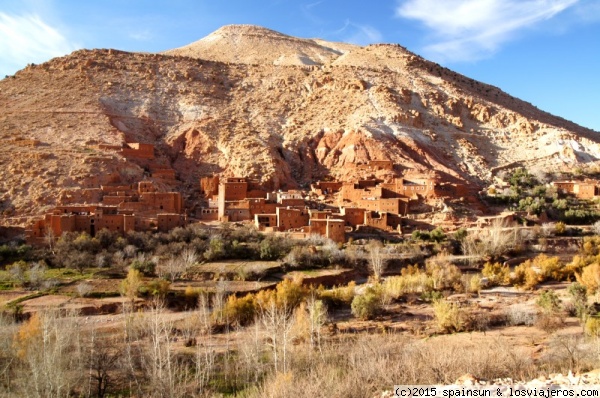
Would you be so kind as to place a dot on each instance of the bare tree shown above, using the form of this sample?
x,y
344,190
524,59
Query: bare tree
x,y
205,355
102,361
50,239
49,346
165,373
8,361
317,313
596,228
377,258
174,267
493,241
277,319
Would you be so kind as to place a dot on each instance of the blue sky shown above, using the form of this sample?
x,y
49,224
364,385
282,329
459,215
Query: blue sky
x,y
546,52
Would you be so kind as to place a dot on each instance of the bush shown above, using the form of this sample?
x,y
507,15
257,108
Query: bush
x,y
579,294
443,274
158,287
216,248
592,326
518,316
240,311
287,294
542,268
273,248
496,273
421,235
146,267
448,316
369,304
549,302
590,277
473,283
550,267
396,286
437,235
338,296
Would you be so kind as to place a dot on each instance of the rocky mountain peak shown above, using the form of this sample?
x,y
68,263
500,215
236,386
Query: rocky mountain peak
x,y
250,44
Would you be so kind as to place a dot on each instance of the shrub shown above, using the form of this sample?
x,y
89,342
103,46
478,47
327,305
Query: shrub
x,y
396,286
240,311
273,248
443,274
560,228
158,287
216,248
437,235
526,276
550,267
579,294
549,302
339,295
448,316
369,304
146,267
496,273
518,315
590,277
592,326
460,234
287,295
473,283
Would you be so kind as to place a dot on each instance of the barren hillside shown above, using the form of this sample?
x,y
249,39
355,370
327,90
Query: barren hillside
x,y
250,101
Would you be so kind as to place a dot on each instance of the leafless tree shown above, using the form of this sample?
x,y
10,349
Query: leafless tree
x,y
165,373
317,313
49,345
174,267
8,361
205,355
495,240
277,320
50,239
102,360
377,258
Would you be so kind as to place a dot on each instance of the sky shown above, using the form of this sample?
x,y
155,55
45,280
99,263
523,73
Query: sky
x,y
546,52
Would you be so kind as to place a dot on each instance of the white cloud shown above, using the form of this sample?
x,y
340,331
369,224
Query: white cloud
x,y
359,34
25,39
142,35
465,30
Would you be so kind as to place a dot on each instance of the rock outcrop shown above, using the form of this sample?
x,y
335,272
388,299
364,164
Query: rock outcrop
x,y
250,101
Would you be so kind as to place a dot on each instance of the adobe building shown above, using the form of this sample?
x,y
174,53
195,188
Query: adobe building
x,y
168,221
266,222
122,209
326,187
290,218
587,189
331,228
240,199
131,150
376,165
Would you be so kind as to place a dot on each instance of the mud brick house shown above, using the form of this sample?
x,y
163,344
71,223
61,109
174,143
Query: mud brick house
x,y
331,228
290,218
122,209
326,187
131,150
587,189
376,165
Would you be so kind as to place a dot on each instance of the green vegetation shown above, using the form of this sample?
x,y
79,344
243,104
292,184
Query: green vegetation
x,y
527,193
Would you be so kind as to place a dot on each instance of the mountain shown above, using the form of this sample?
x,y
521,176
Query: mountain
x,y
249,101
